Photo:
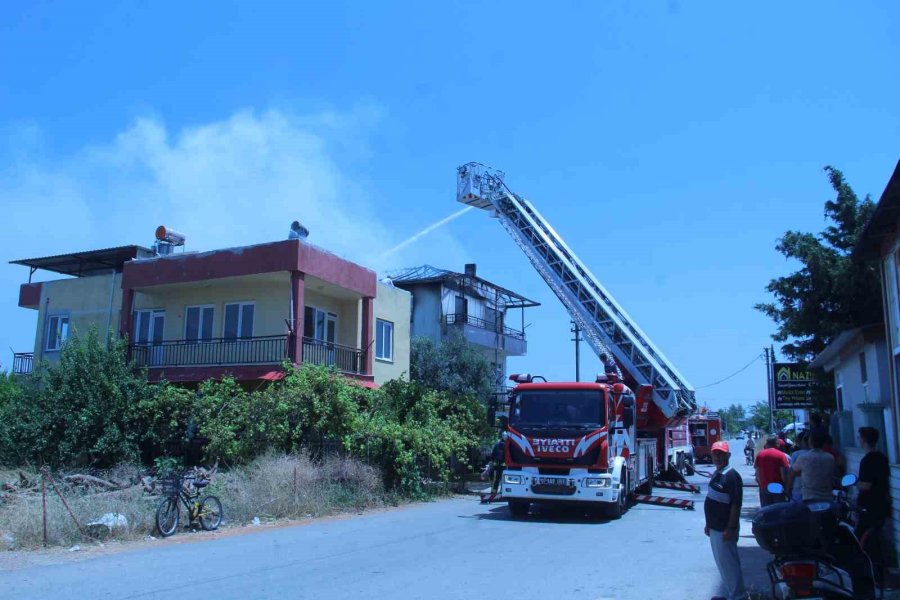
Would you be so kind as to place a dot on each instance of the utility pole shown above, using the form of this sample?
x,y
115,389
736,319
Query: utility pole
x,y
769,390
577,340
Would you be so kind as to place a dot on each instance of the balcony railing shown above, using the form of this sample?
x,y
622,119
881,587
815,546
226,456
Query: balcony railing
x,y
457,318
263,350
342,358
23,363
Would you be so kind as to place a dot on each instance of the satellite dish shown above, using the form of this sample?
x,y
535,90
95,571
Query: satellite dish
x,y
298,231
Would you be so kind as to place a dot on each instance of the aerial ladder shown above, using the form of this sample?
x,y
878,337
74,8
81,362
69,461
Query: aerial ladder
x,y
605,325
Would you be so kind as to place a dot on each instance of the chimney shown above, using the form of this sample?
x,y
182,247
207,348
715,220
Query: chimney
x,y
470,269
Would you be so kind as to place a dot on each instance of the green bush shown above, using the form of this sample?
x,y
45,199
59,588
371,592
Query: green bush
x,y
94,408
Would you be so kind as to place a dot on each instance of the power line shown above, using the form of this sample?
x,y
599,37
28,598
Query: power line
x,y
741,370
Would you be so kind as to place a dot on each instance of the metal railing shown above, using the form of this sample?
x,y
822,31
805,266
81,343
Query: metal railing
x,y
262,350
342,358
454,318
23,363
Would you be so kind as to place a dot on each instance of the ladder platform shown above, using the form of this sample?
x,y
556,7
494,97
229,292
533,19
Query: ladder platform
x,y
662,501
674,485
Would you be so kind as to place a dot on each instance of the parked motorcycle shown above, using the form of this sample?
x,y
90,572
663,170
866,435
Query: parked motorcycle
x,y
816,552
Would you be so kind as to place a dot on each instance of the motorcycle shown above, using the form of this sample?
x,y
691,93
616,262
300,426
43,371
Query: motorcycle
x,y
748,455
816,552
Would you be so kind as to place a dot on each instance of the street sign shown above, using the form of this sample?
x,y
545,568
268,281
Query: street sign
x,y
795,385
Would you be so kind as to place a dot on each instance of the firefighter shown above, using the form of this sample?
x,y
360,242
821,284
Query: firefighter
x,y
494,468
609,365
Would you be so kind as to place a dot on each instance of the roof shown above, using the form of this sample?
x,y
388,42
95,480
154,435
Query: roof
x,y
883,222
90,262
831,352
429,274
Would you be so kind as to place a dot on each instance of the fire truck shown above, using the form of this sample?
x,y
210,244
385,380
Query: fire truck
x,y
593,444
706,430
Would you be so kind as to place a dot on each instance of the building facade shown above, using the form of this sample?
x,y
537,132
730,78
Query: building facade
x,y
239,311
489,317
880,243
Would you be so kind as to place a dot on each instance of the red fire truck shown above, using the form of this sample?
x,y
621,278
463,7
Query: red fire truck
x,y
576,443
705,430
589,443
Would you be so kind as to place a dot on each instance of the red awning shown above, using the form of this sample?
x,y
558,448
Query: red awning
x,y
367,384
272,376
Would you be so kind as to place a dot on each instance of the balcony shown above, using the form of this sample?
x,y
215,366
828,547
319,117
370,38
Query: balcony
x,y
215,352
343,358
195,360
489,334
23,363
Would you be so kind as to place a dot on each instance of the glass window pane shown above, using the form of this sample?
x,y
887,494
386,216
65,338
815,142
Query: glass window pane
x,y
309,327
206,332
389,341
143,327
159,320
320,325
247,321
192,324
379,339
52,325
331,330
231,321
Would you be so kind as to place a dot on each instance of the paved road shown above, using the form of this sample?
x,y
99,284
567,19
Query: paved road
x,y
452,549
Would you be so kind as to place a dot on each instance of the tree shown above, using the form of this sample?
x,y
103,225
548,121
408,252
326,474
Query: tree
x,y
733,418
452,366
759,416
830,292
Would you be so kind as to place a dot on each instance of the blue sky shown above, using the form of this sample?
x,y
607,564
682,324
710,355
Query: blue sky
x,y
669,143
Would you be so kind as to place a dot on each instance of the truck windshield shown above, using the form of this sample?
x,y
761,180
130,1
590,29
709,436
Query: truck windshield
x,y
578,408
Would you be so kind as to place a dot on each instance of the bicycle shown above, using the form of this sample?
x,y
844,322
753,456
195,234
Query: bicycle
x,y
208,509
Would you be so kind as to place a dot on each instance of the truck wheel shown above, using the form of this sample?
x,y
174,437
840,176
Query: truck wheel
x,y
618,509
519,508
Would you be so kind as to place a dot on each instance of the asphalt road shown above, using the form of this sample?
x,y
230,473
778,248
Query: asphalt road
x,y
451,549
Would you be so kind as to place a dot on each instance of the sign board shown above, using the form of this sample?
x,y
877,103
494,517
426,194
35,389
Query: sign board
x,y
795,386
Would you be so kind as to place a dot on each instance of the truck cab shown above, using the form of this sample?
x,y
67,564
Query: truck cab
x,y
574,443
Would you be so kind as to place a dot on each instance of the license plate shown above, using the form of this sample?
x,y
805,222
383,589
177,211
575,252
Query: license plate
x,y
552,481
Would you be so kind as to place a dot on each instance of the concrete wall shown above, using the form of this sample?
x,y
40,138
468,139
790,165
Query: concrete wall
x,y
426,311
271,298
347,311
85,300
394,305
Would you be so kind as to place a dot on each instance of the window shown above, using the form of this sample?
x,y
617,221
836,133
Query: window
x,y
148,326
461,308
57,331
319,325
863,375
198,323
384,340
238,321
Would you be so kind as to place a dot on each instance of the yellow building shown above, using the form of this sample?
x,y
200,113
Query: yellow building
x,y
238,311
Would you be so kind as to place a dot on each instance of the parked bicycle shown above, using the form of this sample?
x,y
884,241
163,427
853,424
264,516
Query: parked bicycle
x,y
186,489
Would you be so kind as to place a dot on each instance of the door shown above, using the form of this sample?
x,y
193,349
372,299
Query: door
x,y
148,331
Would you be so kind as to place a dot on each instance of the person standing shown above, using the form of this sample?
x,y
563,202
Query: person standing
x,y
803,443
723,511
771,467
874,496
816,470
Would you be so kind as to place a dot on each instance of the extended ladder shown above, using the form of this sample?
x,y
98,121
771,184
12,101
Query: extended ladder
x,y
606,326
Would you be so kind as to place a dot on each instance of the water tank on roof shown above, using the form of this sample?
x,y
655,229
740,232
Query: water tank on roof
x,y
298,231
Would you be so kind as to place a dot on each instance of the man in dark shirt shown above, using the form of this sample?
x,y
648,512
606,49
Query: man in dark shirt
x,y
874,495
723,511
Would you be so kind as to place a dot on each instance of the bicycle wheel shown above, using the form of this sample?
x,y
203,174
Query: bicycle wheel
x,y
210,513
167,516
